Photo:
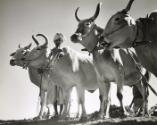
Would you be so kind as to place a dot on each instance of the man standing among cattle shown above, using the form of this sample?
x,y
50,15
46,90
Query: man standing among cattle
x,y
58,40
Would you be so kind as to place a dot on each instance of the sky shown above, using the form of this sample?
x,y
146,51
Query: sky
x,y
20,19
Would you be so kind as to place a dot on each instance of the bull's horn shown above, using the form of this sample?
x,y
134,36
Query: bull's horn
x,y
77,18
129,5
97,11
46,40
12,53
28,46
19,46
35,40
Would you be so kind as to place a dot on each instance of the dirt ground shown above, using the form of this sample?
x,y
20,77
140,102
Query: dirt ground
x,y
115,113
111,121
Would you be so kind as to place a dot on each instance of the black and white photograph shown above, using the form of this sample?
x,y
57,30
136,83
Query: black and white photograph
x,y
78,62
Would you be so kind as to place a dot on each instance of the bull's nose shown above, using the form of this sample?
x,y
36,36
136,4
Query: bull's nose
x,y
23,59
12,62
74,38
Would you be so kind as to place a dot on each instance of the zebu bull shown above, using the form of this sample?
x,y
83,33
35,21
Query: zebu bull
x,y
35,78
71,69
124,32
109,69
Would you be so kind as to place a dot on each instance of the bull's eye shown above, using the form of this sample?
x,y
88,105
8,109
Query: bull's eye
x,y
117,19
38,48
88,24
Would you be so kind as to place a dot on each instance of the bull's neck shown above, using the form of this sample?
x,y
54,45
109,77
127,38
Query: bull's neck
x,y
104,56
96,53
96,56
99,29
43,61
34,76
136,33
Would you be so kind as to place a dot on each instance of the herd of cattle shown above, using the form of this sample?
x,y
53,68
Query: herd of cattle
x,y
66,68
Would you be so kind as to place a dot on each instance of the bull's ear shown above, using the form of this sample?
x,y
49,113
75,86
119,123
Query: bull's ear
x,y
12,54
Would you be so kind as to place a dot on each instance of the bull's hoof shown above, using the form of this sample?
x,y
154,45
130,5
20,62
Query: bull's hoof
x,y
107,116
63,118
100,116
123,114
37,118
145,115
83,118
55,117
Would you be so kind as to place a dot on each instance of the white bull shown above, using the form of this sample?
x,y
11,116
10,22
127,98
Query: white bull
x,y
35,78
71,69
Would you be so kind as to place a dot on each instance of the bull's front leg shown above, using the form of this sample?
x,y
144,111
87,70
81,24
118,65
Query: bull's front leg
x,y
81,100
143,88
66,97
104,100
120,98
43,96
43,93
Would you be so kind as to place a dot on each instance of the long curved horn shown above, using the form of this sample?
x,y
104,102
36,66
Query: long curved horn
x,y
46,40
35,40
129,5
97,11
28,46
77,18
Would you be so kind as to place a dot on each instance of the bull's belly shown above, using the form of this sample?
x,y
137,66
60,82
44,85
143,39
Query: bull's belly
x,y
90,86
109,73
88,81
75,79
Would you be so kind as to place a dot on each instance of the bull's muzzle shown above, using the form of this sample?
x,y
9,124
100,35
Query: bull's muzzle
x,y
76,38
12,62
